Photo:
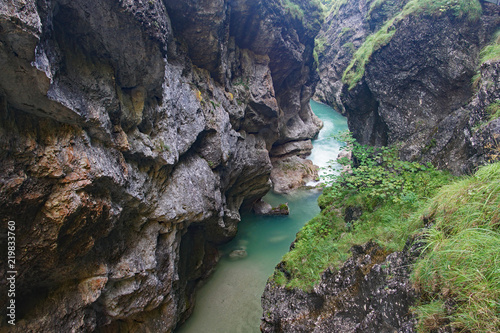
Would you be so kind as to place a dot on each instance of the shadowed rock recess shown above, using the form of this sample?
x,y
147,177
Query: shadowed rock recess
x,y
131,133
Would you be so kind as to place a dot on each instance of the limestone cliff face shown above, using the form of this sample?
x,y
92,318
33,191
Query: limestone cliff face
x,y
131,133
344,31
416,89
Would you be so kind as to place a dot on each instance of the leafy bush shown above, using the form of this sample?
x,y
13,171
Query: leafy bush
x,y
378,175
386,190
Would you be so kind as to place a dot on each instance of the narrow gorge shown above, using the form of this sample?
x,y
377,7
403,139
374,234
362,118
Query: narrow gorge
x,y
135,134
400,245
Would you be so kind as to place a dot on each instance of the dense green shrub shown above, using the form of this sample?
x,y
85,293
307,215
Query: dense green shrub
x,y
385,189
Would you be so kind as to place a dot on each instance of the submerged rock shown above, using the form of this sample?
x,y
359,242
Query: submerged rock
x,y
238,254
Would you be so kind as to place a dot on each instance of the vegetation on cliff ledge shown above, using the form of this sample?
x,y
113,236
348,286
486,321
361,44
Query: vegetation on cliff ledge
x,y
460,8
372,202
459,272
390,201
491,51
309,12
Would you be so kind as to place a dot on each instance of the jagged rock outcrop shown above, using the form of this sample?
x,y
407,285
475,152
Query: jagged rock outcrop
x,y
371,292
415,90
344,31
290,168
131,134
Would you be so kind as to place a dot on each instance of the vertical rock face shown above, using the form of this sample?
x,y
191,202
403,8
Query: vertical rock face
x,y
344,31
131,133
416,89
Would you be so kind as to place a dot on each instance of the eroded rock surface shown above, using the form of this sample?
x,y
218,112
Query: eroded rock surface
x,y
371,292
131,133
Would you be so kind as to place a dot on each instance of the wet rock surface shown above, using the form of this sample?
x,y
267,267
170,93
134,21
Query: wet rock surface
x,y
291,173
128,147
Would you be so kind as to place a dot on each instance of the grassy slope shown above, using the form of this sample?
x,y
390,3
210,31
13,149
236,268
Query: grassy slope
x,y
459,275
396,198
490,52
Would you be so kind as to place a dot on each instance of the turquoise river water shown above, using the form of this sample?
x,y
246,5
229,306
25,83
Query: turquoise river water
x,y
229,302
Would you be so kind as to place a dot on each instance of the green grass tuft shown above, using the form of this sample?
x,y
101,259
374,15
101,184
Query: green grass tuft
x,y
335,5
493,110
356,69
461,264
491,51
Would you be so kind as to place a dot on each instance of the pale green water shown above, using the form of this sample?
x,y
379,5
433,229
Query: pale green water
x,y
230,300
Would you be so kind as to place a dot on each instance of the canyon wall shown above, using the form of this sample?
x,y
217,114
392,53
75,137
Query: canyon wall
x,y
416,90
427,90
131,134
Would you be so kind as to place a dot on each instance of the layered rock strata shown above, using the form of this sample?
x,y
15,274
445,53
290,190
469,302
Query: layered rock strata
x,y
131,134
